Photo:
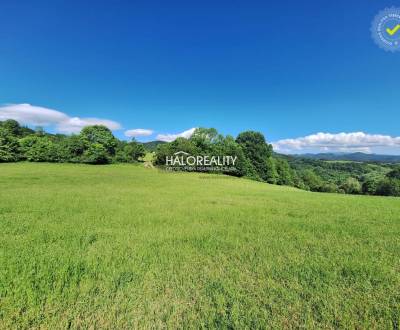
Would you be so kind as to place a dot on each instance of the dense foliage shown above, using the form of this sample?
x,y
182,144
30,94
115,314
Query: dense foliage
x,y
348,177
255,158
94,145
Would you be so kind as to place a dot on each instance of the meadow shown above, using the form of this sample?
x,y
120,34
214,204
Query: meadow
x,y
124,246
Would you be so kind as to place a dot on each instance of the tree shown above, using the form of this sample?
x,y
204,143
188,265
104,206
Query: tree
x,y
369,186
285,173
130,152
96,154
394,174
207,142
168,149
227,146
270,173
74,147
388,187
311,180
351,186
258,152
135,150
298,181
204,139
9,147
39,149
12,126
99,134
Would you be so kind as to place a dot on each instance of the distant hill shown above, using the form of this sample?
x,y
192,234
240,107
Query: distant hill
x,y
152,145
355,157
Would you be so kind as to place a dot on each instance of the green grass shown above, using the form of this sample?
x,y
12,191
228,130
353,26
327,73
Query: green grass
x,y
124,246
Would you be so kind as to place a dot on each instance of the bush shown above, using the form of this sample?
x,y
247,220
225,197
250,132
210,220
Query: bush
x,y
329,188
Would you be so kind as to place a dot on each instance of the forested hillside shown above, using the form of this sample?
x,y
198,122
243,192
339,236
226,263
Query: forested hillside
x,y
353,157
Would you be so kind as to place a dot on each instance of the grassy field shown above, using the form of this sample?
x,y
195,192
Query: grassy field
x,y
123,246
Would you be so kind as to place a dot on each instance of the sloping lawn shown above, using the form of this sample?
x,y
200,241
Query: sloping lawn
x,y
123,246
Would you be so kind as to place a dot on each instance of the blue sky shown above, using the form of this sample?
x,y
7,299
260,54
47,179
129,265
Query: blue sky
x,y
289,69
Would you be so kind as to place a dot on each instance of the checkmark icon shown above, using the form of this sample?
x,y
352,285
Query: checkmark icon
x,y
394,30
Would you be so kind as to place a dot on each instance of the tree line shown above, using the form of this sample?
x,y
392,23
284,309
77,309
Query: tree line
x,y
93,145
255,157
256,160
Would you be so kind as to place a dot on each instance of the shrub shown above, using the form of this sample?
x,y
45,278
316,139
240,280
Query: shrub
x,y
329,188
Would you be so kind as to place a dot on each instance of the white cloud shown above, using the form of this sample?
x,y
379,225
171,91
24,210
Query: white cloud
x,y
75,124
171,137
138,132
27,114
341,142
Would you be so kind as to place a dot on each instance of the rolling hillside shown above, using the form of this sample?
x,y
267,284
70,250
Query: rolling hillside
x,y
122,246
354,157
